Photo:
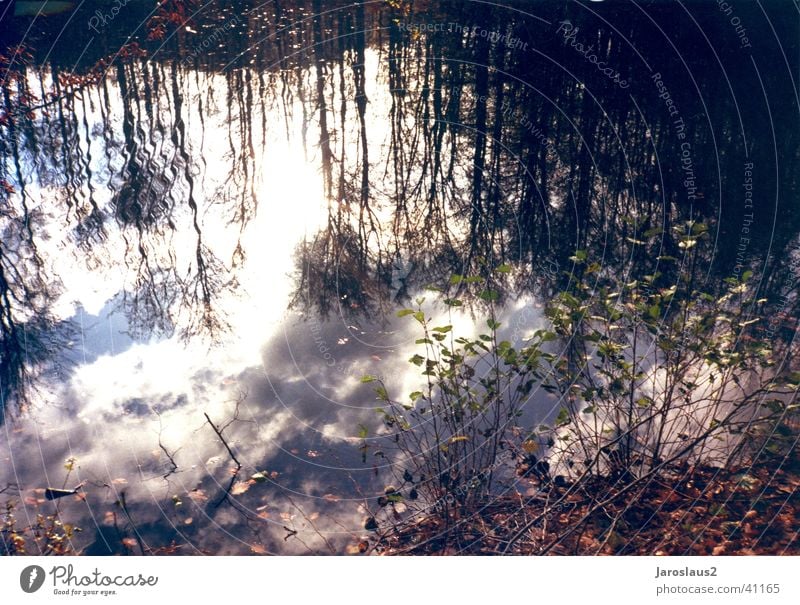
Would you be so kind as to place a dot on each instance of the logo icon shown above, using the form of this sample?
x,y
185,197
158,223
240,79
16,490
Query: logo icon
x,y
31,578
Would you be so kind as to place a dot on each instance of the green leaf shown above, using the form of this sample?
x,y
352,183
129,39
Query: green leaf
x,y
456,279
415,395
453,302
423,341
259,477
363,431
490,295
492,324
404,312
504,268
563,417
417,359
368,378
443,329
419,316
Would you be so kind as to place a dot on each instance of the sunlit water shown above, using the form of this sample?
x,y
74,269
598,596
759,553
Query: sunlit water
x,y
227,236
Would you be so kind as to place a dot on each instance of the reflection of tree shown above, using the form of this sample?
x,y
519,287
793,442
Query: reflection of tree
x,y
498,155
469,154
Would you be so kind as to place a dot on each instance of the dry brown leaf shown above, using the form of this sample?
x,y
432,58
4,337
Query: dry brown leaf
x,y
240,487
198,495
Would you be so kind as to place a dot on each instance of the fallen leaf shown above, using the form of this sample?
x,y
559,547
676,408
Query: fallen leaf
x,y
198,495
240,487
530,446
258,549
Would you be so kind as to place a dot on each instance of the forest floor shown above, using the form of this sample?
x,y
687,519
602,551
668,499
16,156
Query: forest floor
x,y
753,510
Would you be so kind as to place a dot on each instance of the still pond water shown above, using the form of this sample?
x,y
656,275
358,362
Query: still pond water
x,y
212,212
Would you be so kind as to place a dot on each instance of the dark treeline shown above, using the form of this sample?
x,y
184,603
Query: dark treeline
x,y
451,137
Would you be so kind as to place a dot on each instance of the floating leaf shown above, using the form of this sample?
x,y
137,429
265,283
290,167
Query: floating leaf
x,y
240,487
